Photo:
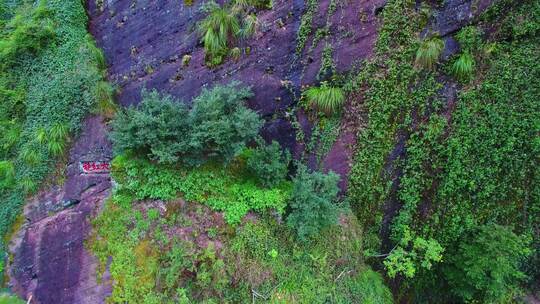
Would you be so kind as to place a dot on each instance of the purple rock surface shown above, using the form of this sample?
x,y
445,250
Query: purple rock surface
x,y
50,262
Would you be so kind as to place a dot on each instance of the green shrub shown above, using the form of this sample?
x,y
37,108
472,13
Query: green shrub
x,y
429,52
158,128
313,202
217,127
367,287
269,163
47,79
325,98
463,67
486,267
222,189
221,124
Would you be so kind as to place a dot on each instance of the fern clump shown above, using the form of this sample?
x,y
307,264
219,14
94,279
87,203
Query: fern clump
x,y
463,67
326,98
428,53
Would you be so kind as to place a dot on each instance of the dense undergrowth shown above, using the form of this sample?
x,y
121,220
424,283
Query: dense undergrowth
x,y
50,69
157,257
456,170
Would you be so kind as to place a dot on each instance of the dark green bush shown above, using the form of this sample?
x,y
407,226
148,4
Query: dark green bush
x,y
313,203
269,163
216,128
221,124
486,267
158,128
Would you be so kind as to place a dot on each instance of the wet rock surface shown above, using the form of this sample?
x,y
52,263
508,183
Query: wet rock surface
x,y
50,262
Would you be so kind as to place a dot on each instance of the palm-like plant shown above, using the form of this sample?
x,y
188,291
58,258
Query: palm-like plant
x,y
28,184
325,98
12,135
429,52
30,156
219,28
463,67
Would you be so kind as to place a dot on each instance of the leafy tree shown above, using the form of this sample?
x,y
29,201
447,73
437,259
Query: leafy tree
x,y
313,203
486,267
157,128
221,124
269,163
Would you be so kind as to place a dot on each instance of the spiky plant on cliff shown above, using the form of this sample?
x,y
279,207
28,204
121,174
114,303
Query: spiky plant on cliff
x,y
326,98
219,29
428,53
463,67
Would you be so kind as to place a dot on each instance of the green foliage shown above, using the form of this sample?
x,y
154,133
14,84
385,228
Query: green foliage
x,y
9,299
313,203
29,31
269,163
458,168
157,128
429,52
220,188
216,128
411,254
260,257
221,124
463,67
219,28
224,25
368,287
306,26
486,266
47,81
469,38
326,98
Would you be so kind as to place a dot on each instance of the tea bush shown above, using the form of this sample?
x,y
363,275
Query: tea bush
x,y
217,127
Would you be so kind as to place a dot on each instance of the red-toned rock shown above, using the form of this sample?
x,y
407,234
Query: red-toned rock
x,y
50,262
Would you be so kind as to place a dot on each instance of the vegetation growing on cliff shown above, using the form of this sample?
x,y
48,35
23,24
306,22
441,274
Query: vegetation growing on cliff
x,y
439,172
49,71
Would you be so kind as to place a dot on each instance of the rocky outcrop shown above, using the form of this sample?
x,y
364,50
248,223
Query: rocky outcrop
x,y
145,41
50,262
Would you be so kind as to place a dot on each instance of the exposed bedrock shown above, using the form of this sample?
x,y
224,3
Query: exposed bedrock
x,y
145,41
50,262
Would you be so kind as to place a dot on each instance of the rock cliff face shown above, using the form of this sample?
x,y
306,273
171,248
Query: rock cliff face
x,y
50,263
144,43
